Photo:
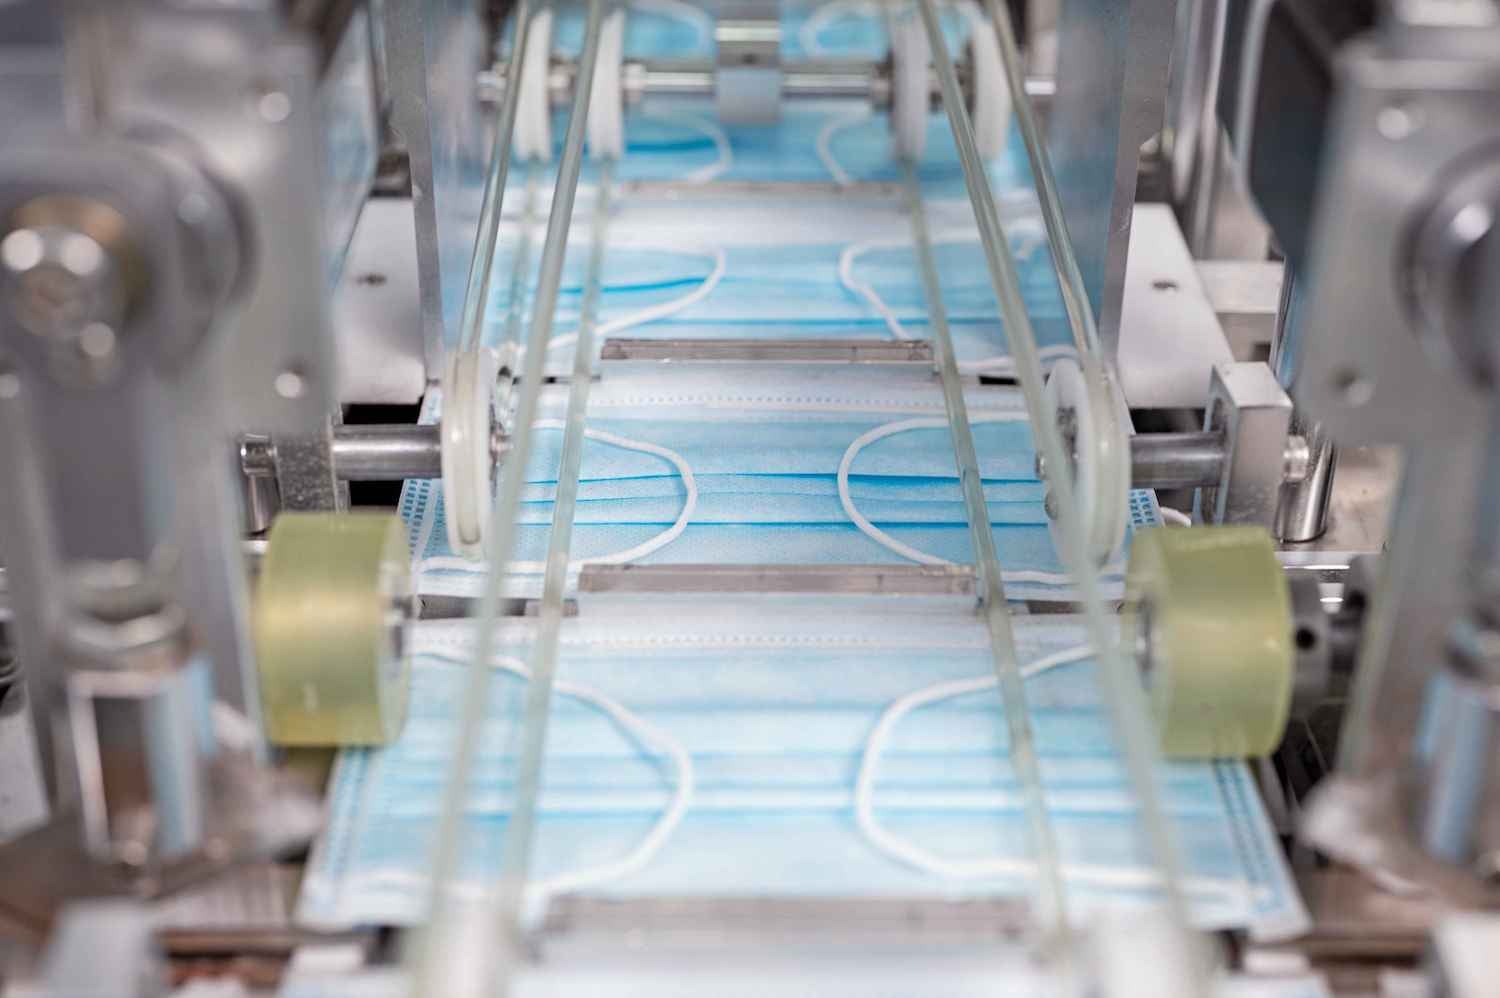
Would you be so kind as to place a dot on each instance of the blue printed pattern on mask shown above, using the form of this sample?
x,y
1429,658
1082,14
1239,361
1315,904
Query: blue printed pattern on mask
x,y
773,701
762,268
763,445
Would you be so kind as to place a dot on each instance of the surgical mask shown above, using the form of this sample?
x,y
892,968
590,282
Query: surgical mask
x,y
763,709
839,466
653,28
731,268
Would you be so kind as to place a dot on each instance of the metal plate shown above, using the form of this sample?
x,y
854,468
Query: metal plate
x,y
906,580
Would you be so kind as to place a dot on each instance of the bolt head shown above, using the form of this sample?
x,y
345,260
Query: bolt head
x,y
59,281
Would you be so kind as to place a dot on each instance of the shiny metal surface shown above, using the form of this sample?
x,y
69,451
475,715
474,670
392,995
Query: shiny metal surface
x,y
434,53
305,476
1113,56
367,453
783,351
1176,460
908,580
1246,296
1170,337
1253,414
377,310
748,75
1302,513
1412,107
387,453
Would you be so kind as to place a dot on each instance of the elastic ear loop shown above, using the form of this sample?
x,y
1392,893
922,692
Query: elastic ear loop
x,y
811,30
689,13
910,854
1033,238
890,543
644,733
651,313
661,540
724,152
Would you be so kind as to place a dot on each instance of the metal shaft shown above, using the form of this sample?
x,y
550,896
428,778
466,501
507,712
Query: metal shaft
x,y
1176,460
362,453
387,453
811,79
1302,514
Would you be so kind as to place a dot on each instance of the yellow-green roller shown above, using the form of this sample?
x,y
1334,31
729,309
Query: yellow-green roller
x,y
330,609
1210,614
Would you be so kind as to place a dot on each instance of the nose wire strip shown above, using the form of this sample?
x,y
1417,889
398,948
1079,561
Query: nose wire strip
x,y
1051,902
451,922
1120,684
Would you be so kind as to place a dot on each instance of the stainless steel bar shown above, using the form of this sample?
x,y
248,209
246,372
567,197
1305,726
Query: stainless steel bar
x,y
387,453
361,453
1119,678
1176,460
992,602
1302,514
851,79
472,322
899,580
778,351
444,964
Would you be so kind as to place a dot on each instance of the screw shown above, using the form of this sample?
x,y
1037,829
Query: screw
x,y
64,286
290,384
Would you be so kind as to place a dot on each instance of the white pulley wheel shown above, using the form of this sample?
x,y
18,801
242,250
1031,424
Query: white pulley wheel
x,y
468,463
606,123
991,102
533,134
1101,452
910,94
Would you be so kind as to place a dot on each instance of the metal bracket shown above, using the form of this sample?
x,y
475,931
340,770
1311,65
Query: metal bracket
x,y
1253,414
1415,114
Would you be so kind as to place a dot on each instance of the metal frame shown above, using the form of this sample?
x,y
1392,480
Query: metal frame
x,y
433,56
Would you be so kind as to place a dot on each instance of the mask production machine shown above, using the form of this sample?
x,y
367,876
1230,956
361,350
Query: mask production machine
x,y
749,497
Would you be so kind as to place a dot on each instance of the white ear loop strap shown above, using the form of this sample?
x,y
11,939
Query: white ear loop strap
x,y
671,533
908,853
890,543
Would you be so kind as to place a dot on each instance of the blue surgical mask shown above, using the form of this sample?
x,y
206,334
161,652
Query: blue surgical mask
x,y
727,268
772,701
763,446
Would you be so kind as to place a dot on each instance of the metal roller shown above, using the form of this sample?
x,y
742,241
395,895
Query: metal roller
x,y
1211,616
331,607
